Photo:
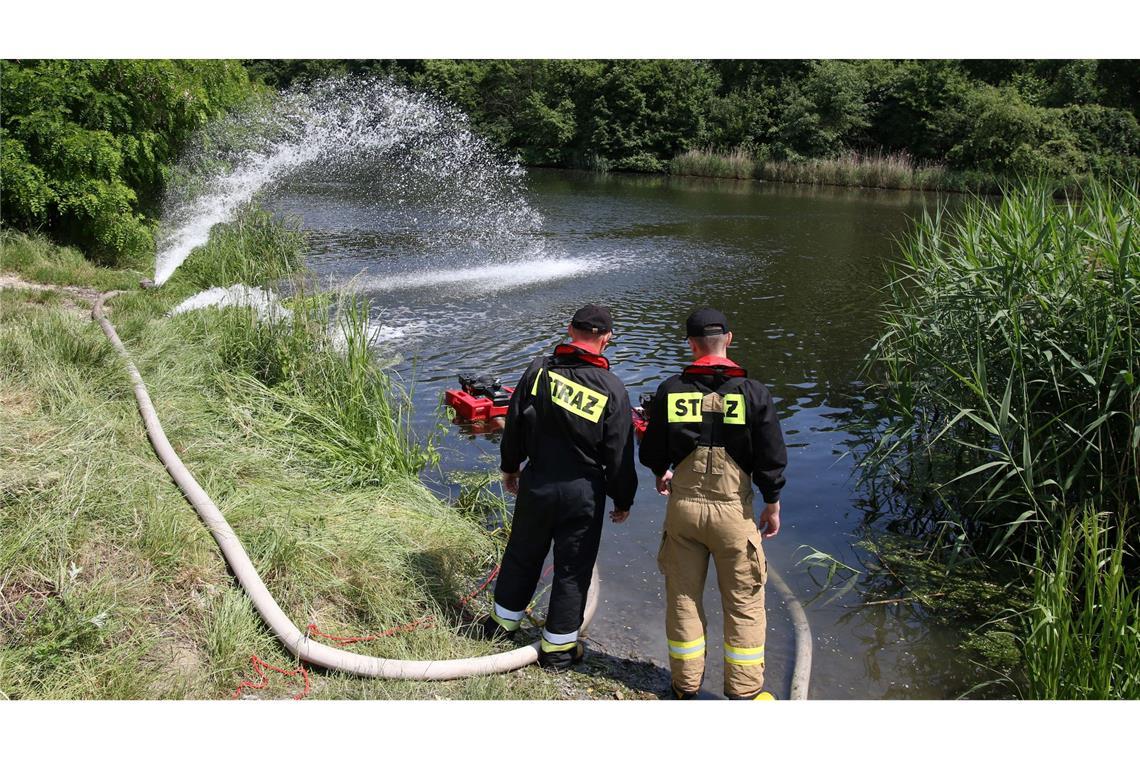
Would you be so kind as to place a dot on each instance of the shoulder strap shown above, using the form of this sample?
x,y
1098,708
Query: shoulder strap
x,y
731,385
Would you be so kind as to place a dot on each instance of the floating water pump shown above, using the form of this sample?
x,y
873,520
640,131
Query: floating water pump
x,y
482,398
479,398
641,415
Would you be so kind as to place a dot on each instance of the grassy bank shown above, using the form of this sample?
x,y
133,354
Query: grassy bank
x,y
1007,368
896,171
110,586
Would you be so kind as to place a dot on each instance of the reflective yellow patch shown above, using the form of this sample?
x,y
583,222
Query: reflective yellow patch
x,y
534,386
684,407
734,409
576,398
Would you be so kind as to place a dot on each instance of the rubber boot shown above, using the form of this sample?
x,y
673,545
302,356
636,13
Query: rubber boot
x,y
489,629
562,660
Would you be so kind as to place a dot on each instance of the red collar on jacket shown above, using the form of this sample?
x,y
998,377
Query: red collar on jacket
x,y
715,365
581,352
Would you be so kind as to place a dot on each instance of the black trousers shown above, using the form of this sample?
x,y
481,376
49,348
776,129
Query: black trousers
x,y
566,509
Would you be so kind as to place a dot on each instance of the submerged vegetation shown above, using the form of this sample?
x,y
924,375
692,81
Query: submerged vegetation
x,y
1008,372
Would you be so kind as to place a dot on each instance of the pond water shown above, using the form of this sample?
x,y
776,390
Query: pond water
x,y
799,273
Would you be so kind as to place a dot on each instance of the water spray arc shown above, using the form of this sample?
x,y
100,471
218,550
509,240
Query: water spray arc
x,y
430,176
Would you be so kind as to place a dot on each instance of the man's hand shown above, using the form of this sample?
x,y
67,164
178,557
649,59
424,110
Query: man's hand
x,y
619,516
663,483
770,520
511,483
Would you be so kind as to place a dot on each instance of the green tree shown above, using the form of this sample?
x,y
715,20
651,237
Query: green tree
x,y
87,144
648,111
1003,134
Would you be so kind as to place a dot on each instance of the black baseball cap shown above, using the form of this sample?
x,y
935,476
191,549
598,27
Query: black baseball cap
x,y
704,322
593,318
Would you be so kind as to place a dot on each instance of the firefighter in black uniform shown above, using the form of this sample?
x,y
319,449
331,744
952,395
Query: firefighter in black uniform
x,y
569,419
718,429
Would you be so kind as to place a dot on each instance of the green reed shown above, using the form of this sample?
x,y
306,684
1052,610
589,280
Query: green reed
x,y
737,163
1082,632
1008,361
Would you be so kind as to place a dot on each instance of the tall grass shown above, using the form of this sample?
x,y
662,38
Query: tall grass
x,y
1082,632
736,163
313,380
38,259
896,170
1009,362
149,610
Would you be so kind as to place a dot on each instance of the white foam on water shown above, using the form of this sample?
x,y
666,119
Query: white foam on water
x,y
486,279
379,332
262,301
425,150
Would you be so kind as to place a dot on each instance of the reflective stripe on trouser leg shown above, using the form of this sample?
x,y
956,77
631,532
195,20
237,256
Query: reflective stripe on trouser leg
x,y
744,656
687,650
558,642
508,619
685,563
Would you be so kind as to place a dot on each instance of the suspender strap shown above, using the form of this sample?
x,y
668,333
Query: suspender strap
x,y
712,423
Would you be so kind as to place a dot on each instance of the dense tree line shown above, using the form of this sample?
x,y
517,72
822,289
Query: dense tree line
x,y
1055,117
86,145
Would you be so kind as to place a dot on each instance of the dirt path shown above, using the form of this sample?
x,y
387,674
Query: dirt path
x,y
74,299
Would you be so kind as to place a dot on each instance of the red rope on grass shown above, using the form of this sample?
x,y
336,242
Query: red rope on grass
x,y
259,663
424,622
313,630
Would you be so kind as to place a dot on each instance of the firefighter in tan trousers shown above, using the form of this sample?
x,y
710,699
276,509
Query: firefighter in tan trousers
x,y
718,430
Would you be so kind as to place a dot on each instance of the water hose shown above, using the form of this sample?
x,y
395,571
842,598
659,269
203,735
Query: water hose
x,y
304,648
300,645
801,673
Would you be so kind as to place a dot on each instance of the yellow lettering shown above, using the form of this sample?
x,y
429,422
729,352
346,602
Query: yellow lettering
x,y
684,407
734,409
576,398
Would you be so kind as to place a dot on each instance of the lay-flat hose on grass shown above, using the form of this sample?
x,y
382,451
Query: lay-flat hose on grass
x,y
304,648
283,628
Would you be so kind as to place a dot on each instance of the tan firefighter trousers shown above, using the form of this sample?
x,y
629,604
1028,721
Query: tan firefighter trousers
x,y
710,512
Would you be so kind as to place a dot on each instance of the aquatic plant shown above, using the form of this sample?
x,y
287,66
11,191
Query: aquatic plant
x,y
1008,362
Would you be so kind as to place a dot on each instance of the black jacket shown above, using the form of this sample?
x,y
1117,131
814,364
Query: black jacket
x,y
750,434
568,415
